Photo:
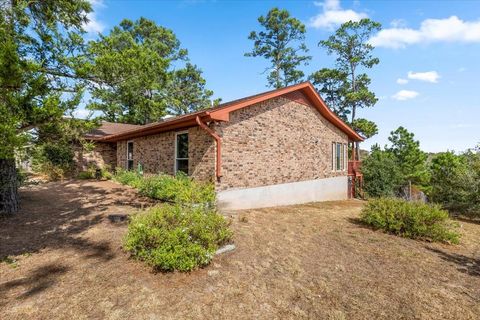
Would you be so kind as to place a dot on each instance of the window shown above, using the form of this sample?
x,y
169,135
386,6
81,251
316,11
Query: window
x,y
130,155
181,152
339,152
333,156
338,157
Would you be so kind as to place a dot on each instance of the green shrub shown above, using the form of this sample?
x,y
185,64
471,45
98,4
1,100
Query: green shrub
x,y
174,237
381,174
179,189
455,182
85,175
129,178
414,220
91,173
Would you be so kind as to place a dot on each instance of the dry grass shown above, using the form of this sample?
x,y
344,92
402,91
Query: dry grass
x,y
303,262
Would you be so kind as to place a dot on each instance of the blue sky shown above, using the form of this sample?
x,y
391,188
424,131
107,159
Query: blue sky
x,y
427,79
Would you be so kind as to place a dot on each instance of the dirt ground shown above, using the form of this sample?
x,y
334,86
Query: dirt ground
x,y
312,261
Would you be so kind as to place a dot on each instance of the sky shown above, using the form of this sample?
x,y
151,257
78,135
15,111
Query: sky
x,y
427,79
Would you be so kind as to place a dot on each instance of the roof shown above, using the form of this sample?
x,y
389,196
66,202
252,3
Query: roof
x,y
110,128
222,113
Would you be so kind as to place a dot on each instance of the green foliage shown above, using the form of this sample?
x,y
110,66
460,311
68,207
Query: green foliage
x,y
187,92
133,77
345,88
179,189
129,178
176,237
55,160
414,220
365,127
281,42
455,182
411,160
91,173
380,173
38,83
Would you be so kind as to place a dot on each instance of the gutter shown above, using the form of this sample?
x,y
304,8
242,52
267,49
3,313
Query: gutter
x,y
218,142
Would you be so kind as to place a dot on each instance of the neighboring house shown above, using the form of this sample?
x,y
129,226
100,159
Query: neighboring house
x,y
276,148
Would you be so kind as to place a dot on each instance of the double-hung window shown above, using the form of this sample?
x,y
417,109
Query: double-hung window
x,y
181,152
130,155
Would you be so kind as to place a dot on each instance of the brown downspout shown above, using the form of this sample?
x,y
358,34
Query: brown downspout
x,y
218,141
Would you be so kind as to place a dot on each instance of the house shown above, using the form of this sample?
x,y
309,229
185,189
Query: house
x,y
276,148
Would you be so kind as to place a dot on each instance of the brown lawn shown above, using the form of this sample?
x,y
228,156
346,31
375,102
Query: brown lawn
x,y
301,262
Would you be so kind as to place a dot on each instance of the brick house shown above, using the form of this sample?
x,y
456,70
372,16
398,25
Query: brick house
x,y
276,148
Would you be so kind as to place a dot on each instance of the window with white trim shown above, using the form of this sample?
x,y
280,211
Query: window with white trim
x,y
130,155
339,156
181,152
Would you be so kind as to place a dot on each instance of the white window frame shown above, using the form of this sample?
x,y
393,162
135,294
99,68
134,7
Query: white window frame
x,y
175,150
334,144
342,153
130,141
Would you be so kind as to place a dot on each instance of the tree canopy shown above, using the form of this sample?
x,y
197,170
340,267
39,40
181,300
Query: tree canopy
x,y
38,83
281,42
346,87
134,75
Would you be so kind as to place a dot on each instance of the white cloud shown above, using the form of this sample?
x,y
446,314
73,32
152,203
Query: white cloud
x,y
451,29
333,15
402,81
405,95
398,23
94,25
429,76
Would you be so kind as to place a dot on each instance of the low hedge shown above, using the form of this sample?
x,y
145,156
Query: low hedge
x,y
175,237
177,189
414,220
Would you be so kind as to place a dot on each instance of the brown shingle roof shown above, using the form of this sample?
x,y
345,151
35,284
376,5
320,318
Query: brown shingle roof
x,y
221,113
110,128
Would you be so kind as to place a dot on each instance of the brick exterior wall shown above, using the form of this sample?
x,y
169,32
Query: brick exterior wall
x,y
156,153
278,141
103,155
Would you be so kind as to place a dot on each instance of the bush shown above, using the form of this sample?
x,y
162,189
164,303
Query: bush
x,y
414,220
55,160
129,178
173,237
91,173
179,189
381,174
455,181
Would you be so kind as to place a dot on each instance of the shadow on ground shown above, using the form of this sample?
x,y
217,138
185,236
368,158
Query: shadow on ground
x,y
37,281
55,215
468,265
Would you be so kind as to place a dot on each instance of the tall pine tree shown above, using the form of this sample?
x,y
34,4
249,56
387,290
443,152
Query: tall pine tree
x,y
281,42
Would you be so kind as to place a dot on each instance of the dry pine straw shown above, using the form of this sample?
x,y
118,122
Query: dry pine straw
x,y
303,262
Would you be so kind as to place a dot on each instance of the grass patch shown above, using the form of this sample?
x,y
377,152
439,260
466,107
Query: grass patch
x,y
413,220
175,237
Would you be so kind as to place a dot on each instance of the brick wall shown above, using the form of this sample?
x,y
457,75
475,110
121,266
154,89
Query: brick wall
x,y
277,141
156,153
103,155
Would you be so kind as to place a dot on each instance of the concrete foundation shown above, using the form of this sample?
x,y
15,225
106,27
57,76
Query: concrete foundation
x,y
284,194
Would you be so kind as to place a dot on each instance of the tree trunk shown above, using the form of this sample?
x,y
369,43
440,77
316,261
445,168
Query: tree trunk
x,y
8,187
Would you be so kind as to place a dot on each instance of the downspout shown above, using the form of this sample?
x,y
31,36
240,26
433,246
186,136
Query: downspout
x,y
218,142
